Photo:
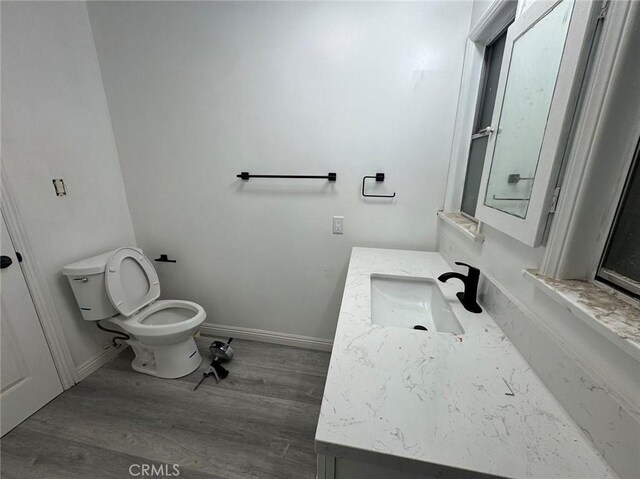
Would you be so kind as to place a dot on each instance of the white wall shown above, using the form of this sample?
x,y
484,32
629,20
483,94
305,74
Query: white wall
x,y
201,91
55,124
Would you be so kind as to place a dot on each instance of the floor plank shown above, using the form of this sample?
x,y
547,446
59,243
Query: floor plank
x,y
259,422
40,455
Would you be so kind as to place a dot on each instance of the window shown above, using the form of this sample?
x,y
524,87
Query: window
x,y
620,264
482,127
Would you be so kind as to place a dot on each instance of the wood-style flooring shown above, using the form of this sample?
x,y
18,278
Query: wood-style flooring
x,y
258,423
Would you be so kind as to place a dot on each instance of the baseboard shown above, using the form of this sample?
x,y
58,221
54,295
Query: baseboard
x,y
266,336
92,364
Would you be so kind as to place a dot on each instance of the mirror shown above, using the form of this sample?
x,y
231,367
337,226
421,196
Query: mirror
x,y
532,73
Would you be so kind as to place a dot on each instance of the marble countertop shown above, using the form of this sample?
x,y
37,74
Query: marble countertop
x,y
434,402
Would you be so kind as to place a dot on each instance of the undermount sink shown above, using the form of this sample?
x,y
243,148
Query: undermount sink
x,y
414,303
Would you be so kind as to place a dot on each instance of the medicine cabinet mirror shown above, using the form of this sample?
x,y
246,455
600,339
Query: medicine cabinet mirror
x,y
544,62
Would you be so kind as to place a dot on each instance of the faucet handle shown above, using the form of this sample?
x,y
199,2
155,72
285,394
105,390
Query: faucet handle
x,y
472,269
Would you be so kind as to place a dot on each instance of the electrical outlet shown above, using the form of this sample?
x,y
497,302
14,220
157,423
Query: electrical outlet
x,y
338,225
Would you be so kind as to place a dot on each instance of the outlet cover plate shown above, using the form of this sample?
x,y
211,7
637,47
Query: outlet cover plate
x,y
338,225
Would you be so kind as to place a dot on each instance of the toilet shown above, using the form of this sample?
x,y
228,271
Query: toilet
x,y
122,287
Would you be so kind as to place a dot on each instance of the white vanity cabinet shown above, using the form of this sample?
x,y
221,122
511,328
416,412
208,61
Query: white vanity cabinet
x,y
330,467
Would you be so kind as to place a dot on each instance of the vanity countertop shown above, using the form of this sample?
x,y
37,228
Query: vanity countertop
x,y
434,402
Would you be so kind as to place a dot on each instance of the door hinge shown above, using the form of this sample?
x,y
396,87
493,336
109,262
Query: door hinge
x,y
554,200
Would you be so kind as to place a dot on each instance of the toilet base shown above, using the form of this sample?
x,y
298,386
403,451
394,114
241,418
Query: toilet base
x,y
167,361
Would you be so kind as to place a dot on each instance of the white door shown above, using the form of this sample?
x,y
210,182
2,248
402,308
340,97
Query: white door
x,y
27,373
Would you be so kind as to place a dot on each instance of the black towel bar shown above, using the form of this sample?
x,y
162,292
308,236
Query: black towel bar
x,y
330,177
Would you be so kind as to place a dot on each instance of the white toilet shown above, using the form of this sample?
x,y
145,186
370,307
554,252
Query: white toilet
x,y
122,287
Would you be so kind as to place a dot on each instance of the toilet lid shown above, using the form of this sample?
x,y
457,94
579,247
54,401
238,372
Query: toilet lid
x,y
131,280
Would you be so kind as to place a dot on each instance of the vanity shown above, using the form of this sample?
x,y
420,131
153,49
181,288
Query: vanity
x,y
453,398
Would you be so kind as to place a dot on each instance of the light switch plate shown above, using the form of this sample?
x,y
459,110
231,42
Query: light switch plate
x,y
58,185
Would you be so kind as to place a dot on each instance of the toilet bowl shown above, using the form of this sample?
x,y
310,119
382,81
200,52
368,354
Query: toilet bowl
x,y
122,287
162,337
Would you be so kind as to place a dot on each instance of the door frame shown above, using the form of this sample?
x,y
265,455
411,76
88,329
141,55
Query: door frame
x,y
38,288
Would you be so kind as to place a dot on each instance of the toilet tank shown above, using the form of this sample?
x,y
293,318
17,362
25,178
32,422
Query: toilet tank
x,y
87,281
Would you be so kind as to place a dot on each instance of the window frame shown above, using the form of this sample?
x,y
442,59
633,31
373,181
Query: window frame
x,y
601,153
499,15
476,133
608,276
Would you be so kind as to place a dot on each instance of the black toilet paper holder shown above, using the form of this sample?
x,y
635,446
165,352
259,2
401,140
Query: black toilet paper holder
x,y
379,177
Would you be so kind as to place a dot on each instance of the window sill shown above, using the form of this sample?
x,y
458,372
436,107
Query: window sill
x,y
468,227
612,317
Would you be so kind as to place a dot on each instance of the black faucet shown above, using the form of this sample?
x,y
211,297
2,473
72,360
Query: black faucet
x,y
468,296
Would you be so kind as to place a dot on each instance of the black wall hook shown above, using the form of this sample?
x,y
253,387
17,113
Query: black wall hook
x,y
164,259
379,177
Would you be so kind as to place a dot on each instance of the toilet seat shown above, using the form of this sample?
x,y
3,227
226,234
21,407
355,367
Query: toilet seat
x,y
133,288
163,318
131,281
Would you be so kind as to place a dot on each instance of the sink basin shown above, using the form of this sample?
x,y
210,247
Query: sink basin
x,y
409,302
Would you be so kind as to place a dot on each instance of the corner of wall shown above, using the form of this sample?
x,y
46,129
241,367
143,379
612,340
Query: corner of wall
x,y
107,113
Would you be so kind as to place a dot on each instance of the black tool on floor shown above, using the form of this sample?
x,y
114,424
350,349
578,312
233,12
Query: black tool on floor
x,y
221,352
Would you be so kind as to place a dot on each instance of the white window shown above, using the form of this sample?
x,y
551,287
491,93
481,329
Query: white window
x,y
482,125
593,227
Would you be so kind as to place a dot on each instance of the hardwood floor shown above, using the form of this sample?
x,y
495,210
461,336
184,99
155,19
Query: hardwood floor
x,y
259,422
